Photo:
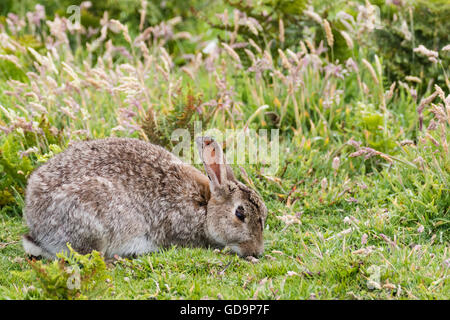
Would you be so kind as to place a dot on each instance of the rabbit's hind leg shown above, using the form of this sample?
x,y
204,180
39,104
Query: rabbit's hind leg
x,y
34,249
70,218
50,250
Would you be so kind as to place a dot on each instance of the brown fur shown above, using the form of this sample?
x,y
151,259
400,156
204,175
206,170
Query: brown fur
x,y
126,196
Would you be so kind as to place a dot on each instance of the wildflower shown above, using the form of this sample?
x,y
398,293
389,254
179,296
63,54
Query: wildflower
x,y
378,65
231,52
254,45
15,24
388,240
369,153
310,13
143,12
354,143
433,125
69,70
390,93
371,70
126,34
223,17
268,57
347,20
413,79
11,58
404,29
364,239
284,61
351,64
420,161
425,101
35,18
440,92
165,57
250,55
335,70
348,39
446,263
439,113
367,17
342,15
324,184
115,26
281,28
310,45
293,56
328,32
210,47
58,28
433,140
252,24
27,152
430,54
189,72
341,234
182,35
406,142
85,5
303,48
335,164
38,107
289,219
236,17
364,251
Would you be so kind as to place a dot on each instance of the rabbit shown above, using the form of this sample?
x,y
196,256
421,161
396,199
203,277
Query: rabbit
x,y
128,197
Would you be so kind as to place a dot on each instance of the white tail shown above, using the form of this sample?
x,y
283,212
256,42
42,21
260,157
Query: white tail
x,y
33,249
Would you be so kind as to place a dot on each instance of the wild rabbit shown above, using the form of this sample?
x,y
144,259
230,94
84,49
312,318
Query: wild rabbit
x,y
127,197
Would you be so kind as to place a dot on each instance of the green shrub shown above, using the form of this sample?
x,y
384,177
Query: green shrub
x,y
14,170
73,276
427,24
158,130
20,152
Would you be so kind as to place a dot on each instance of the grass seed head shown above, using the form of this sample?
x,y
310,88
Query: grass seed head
x,y
328,32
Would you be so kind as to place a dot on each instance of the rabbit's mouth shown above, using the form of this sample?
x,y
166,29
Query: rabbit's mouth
x,y
246,249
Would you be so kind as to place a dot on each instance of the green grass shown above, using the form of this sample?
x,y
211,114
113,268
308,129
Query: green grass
x,y
386,212
302,261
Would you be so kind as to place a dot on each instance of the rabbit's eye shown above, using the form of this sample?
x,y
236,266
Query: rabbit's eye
x,y
240,213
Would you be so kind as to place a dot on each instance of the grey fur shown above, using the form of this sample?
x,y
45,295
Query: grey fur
x,y
128,197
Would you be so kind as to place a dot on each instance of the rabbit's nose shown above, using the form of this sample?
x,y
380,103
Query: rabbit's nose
x,y
259,253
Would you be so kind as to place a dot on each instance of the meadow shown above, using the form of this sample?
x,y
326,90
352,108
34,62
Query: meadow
x,y
358,91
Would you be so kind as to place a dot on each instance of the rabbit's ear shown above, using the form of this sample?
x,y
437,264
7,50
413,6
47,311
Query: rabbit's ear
x,y
218,171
